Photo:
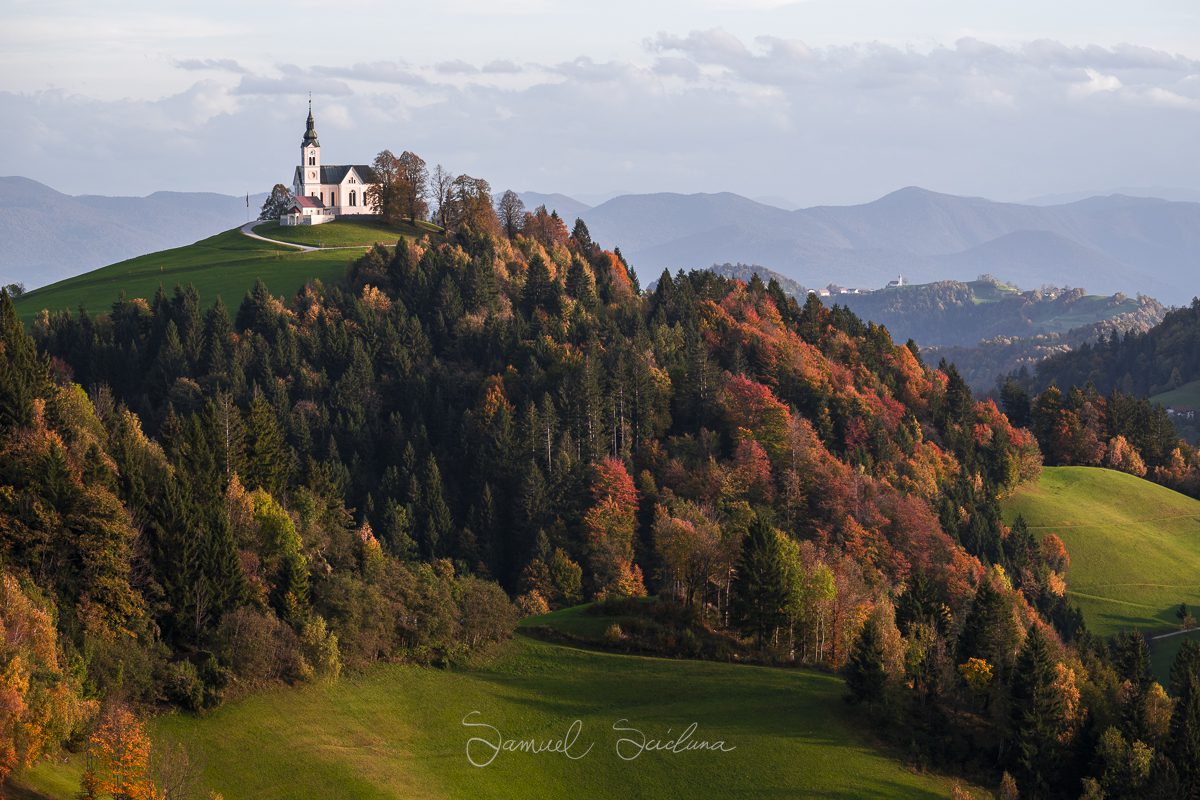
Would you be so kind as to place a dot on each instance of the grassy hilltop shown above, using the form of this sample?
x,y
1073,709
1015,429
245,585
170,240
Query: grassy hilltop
x,y
1134,547
226,264
397,731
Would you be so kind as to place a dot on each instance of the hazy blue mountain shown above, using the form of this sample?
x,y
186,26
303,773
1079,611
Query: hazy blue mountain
x,y
1161,192
1110,244
48,235
567,207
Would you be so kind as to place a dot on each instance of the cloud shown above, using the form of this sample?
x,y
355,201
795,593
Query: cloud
x,y
456,67
501,67
213,64
697,111
292,84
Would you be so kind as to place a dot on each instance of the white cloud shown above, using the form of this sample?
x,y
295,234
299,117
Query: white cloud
x,y
698,111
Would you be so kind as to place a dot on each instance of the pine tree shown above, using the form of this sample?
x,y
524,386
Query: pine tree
x,y
1183,743
267,459
436,522
24,372
540,290
1035,716
759,590
866,677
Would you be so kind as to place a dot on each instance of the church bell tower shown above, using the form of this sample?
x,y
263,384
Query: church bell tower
x,y
310,157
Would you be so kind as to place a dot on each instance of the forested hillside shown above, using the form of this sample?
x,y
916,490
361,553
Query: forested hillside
x,y
987,328
1158,360
344,473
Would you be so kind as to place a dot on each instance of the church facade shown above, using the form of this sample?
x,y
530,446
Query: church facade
x,y
325,192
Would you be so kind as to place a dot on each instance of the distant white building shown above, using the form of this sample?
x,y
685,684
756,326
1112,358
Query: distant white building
x,y
896,283
325,192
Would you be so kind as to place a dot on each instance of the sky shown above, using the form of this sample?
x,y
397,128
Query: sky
x,y
805,103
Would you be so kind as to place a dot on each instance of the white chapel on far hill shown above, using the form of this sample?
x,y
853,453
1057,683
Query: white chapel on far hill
x,y
324,192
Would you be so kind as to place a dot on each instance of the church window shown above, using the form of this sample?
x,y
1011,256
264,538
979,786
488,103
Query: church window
x,y
353,198
312,161
333,198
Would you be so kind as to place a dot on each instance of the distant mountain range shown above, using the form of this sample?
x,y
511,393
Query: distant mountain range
x,y
1110,244
48,235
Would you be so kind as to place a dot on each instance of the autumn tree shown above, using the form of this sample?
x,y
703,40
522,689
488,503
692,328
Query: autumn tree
x,y
277,203
609,524
40,705
469,206
412,186
118,760
385,195
441,182
511,211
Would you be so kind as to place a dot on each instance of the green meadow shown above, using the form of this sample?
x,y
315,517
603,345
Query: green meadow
x,y
1134,547
227,264
397,732
346,232
1186,397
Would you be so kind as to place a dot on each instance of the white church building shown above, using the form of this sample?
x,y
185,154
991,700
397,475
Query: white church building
x,y
325,192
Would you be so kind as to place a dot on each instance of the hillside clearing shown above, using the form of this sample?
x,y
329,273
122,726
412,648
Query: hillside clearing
x,y
1134,545
397,731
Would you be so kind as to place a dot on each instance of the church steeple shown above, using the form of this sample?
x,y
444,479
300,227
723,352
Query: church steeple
x,y
310,159
310,132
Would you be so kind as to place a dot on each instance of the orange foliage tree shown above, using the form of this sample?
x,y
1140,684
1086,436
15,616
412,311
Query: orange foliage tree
x,y
118,760
610,525
38,705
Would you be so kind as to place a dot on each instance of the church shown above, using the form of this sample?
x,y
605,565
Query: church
x,y
325,192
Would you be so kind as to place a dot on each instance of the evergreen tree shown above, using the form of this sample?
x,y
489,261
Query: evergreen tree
x,y
24,372
436,523
759,588
268,461
1183,743
540,289
1035,716
866,677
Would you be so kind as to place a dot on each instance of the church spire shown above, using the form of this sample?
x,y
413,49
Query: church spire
x,y
310,133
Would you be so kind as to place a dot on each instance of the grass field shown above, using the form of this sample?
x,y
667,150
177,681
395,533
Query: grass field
x,y
345,232
1134,545
1186,397
396,732
226,264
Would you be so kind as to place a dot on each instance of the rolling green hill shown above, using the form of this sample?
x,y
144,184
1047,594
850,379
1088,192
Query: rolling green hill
x,y
345,232
1186,397
1134,547
226,264
397,732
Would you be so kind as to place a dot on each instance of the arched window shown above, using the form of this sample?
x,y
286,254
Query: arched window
x,y
333,198
353,197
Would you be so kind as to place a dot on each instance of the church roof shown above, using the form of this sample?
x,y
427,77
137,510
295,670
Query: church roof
x,y
308,202
335,174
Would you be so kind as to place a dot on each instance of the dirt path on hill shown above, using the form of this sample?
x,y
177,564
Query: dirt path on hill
x,y
248,230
